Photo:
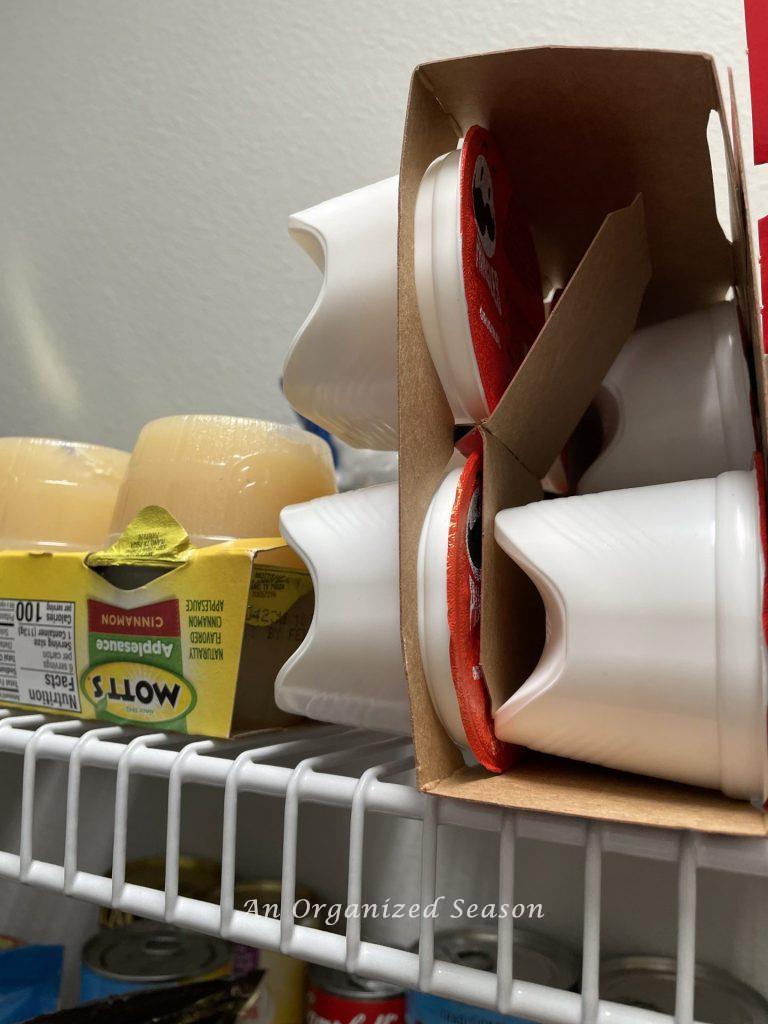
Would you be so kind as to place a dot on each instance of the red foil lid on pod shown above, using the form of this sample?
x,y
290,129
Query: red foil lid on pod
x,y
450,588
477,276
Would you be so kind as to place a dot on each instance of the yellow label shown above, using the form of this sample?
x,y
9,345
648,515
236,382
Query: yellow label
x,y
273,591
132,692
92,637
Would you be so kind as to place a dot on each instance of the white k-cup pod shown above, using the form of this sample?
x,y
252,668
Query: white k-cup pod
x,y
477,277
341,370
654,659
675,405
349,667
478,290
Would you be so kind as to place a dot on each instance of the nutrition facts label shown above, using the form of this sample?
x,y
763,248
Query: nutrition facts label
x,y
37,653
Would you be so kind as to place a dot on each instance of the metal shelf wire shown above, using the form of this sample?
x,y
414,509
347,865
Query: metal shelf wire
x,y
352,770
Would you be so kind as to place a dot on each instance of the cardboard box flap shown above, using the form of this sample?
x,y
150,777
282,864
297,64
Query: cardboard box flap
x,y
629,121
578,343
559,786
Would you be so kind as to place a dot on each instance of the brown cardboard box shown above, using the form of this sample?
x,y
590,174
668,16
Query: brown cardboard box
x,y
608,150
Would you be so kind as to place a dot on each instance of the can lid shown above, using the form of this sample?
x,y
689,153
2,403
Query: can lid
x,y
537,958
144,951
351,986
649,982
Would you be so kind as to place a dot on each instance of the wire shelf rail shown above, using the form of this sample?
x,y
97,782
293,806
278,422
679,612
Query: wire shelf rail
x,y
349,769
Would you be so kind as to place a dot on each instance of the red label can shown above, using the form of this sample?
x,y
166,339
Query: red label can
x,y
337,998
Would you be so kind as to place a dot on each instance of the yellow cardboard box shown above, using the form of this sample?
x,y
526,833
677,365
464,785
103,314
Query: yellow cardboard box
x,y
153,632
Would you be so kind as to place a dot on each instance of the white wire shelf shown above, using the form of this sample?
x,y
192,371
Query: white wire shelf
x,y
346,769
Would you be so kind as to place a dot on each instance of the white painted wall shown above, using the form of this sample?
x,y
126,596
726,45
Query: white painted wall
x,y
151,150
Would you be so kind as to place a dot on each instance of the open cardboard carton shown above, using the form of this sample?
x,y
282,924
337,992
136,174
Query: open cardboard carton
x,y
609,155
153,631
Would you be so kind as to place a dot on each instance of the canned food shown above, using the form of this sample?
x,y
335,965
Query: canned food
x,y
197,877
537,958
146,955
338,998
285,983
649,982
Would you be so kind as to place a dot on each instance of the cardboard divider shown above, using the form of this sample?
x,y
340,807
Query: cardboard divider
x,y
512,615
606,148
576,347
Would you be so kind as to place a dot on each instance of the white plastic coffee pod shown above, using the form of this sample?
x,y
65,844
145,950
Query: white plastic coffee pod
x,y
654,660
434,632
675,405
341,370
477,284
477,280
349,667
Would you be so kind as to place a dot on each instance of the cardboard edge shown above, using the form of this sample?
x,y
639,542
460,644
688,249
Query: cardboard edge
x,y
512,613
444,62
556,786
436,755
275,717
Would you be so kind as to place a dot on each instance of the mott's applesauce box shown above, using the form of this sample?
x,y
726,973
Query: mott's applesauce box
x,y
153,631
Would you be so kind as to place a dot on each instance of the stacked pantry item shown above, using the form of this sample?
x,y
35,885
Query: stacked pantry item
x,y
166,596
650,579
480,303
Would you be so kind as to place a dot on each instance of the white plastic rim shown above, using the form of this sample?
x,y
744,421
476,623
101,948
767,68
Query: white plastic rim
x,y
742,679
654,660
675,405
733,385
349,668
440,290
341,369
434,634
